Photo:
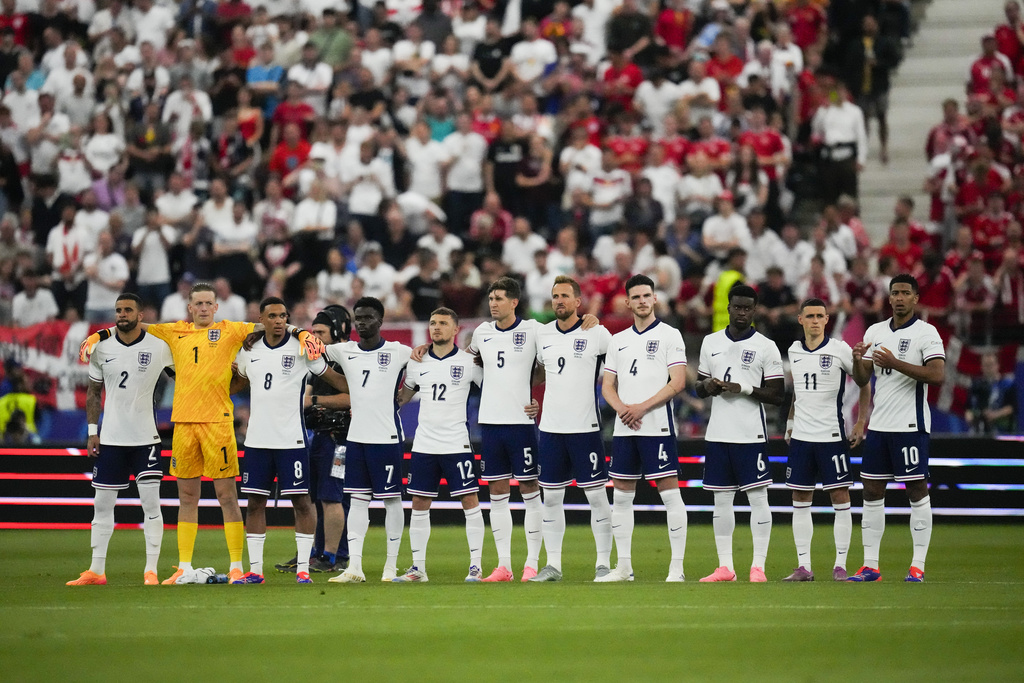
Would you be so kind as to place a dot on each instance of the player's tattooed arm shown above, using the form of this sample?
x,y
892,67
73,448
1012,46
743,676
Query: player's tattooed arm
x,y
93,403
405,394
238,382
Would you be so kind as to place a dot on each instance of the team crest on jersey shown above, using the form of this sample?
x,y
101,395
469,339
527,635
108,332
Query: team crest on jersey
x,y
383,358
652,347
578,345
457,371
747,357
145,357
287,362
519,338
213,335
904,345
825,362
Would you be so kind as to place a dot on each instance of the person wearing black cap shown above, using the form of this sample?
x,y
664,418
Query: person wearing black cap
x,y
327,414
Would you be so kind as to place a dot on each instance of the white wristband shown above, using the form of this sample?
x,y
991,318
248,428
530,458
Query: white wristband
x,y
94,430
746,389
789,425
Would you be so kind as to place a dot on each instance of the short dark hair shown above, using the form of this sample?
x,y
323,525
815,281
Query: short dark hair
x,y
507,284
813,302
566,280
273,301
125,296
906,278
444,310
740,289
370,302
637,281
201,287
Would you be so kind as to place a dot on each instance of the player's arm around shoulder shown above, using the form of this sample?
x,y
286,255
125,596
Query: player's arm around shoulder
x,y
239,373
409,385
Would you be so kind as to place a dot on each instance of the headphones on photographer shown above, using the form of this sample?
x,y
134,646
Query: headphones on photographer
x,y
338,320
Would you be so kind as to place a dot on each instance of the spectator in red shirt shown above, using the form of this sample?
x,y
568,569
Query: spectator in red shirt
x,y
581,114
981,69
630,144
808,23
1008,315
620,82
674,26
935,291
724,66
975,301
715,148
610,291
988,229
676,146
492,219
1010,36
11,18
906,254
291,152
558,24
904,209
941,135
984,179
861,294
962,251
293,109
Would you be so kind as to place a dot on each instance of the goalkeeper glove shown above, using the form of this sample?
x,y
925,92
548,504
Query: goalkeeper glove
x,y
312,347
87,347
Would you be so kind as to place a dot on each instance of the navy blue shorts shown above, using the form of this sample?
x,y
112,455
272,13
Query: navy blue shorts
x,y
902,456
507,451
426,470
374,468
564,457
321,459
811,462
654,457
115,464
290,466
736,466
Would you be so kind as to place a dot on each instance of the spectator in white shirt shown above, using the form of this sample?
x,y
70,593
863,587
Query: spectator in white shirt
x,y
610,187
368,180
428,161
378,277
315,76
787,62
467,150
531,56
275,211
792,254
335,281
442,243
230,306
764,245
104,149
654,99
700,92
412,61
377,57
726,229
839,235
698,189
578,162
33,305
518,249
151,246
538,283
178,204
107,272
185,105
664,178
153,22
835,264
175,304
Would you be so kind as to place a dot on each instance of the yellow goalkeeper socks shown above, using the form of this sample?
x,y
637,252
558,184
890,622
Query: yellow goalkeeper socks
x,y
234,532
186,543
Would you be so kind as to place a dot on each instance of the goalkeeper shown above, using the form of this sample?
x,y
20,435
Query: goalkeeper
x,y
203,416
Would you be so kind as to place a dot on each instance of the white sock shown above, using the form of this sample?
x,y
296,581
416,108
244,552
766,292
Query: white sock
x,y
843,530
394,526
803,532
255,544
723,522
554,525
419,535
601,524
872,526
532,524
303,547
622,528
921,530
102,528
475,536
675,513
760,524
501,528
152,520
358,523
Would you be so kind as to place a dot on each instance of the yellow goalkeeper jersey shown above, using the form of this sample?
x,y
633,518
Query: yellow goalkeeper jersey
x,y
202,366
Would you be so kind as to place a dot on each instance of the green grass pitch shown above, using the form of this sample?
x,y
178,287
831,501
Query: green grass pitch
x,y
965,624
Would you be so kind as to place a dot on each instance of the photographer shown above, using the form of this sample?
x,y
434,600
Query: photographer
x,y
327,414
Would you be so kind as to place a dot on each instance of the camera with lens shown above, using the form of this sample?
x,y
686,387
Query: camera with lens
x,y
333,422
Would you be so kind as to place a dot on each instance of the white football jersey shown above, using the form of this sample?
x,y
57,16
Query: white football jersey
x,y
571,360
129,373
508,357
640,361
819,382
373,381
736,418
277,386
443,385
901,403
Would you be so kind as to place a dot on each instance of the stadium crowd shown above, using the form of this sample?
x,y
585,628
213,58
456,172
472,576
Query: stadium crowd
x,y
416,151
